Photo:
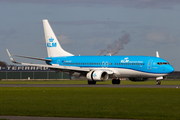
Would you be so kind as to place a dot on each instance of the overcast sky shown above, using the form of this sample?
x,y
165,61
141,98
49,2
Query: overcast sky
x,y
87,26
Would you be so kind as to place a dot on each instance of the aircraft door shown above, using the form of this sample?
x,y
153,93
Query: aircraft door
x,y
58,61
164,68
149,67
104,64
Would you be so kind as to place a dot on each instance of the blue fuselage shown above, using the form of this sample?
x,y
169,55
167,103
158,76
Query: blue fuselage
x,y
147,64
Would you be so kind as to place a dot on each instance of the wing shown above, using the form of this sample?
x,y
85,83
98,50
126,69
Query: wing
x,y
67,68
56,67
33,58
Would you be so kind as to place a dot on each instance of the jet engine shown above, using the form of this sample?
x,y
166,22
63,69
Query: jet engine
x,y
138,79
97,75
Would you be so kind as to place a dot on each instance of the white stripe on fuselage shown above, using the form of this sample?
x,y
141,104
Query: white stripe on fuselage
x,y
123,72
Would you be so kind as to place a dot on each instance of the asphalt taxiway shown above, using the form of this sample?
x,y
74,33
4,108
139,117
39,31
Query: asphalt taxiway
x,y
52,118
86,85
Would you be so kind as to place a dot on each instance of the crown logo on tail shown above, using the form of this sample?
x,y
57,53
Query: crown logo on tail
x,y
51,39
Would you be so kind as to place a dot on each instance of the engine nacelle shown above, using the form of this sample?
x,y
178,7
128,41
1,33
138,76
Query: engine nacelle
x,y
97,75
138,79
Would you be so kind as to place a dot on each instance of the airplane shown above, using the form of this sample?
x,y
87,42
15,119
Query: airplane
x,y
99,68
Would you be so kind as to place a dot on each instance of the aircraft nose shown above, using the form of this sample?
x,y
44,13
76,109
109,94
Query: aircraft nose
x,y
170,69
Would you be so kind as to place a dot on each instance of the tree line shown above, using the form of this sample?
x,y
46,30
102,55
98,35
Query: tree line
x,y
3,63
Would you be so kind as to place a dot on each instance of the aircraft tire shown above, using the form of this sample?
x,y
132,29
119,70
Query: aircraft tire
x,y
116,81
113,81
158,82
91,82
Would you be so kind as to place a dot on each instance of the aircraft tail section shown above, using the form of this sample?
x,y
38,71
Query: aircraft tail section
x,y
54,49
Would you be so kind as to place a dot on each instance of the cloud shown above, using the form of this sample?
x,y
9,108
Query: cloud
x,y
90,22
163,4
64,39
7,32
160,37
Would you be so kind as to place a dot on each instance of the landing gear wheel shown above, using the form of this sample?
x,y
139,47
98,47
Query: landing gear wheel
x,y
91,82
116,81
113,81
158,82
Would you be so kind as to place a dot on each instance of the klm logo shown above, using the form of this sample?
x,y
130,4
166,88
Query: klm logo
x,y
94,75
125,60
51,39
51,43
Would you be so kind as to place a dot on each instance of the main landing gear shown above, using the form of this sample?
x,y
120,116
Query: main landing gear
x,y
91,82
158,82
116,81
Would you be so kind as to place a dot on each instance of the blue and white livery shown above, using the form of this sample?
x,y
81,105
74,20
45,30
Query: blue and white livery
x,y
100,68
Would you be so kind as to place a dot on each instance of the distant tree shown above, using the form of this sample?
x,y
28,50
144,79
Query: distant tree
x,y
3,63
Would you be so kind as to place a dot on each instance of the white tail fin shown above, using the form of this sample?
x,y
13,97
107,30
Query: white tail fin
x,y
54,49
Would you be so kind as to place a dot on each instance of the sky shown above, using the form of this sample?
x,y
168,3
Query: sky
x,y
87,27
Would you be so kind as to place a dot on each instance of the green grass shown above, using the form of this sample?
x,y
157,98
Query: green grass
x,y
126,82
127,103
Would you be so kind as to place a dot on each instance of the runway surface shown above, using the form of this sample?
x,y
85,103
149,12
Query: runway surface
x,y
86,85
51,118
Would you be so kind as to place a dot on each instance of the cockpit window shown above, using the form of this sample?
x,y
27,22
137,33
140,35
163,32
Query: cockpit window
x,y
163,63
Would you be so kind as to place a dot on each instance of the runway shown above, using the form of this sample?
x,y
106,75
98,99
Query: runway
x,y
52,118
86,85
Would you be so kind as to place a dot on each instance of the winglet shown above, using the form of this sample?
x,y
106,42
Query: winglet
x,y
157,54
11,58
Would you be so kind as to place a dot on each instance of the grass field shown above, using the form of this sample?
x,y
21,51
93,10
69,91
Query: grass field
x,y
123,82
130,103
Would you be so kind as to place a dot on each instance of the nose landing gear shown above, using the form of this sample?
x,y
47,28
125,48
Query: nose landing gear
x,y
158,82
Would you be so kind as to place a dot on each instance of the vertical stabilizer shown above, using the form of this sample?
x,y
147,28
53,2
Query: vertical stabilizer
x,y
54,49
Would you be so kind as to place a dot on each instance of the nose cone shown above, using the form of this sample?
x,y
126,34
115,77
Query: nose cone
x,y
170,69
